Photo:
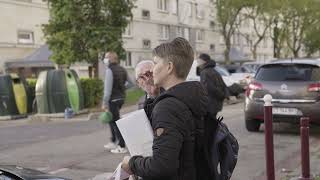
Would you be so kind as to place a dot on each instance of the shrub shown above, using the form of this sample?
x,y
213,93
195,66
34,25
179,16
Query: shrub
x,y
92,91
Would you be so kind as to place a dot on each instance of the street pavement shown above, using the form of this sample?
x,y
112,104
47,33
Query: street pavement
x,y
74,148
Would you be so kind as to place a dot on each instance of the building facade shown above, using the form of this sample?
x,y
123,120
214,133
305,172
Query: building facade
x,y
20,30
154,22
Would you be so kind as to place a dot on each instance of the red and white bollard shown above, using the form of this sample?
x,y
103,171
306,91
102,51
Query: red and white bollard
x,y
268,120
305,153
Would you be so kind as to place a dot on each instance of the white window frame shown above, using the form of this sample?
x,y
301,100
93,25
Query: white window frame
x,y
200,35
163,5
128,31
128,62
179,31
175,6
29,40
186,33
164,31
190,13
199,11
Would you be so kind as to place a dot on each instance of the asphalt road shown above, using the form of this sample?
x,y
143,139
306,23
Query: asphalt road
x,y
74,149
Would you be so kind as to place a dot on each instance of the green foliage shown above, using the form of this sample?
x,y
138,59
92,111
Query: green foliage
x,y
32,83
228,17
133,96
92,91
312,40
83,30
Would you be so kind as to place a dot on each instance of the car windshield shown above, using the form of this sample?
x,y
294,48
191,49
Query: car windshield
x,y
289,72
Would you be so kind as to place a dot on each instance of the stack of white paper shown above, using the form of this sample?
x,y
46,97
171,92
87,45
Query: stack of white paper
x,y
137,133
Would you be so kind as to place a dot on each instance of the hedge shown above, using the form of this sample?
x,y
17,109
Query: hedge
x,y
92,91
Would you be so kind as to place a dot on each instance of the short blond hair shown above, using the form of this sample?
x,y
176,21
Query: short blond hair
x,y
179,52
113,57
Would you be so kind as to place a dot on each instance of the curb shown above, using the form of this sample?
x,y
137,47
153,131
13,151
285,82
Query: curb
x,y
14,117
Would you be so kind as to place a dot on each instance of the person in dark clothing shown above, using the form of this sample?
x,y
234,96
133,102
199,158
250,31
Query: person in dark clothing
x,y
172,115
113,98
213,82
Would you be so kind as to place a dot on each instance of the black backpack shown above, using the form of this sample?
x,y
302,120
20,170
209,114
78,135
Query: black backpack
x,y
216,149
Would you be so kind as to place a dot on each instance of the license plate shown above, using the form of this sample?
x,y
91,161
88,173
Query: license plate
x,y
285,111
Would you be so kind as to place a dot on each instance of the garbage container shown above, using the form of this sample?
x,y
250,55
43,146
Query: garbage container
x,y
57,91
20,94
41,93
7,98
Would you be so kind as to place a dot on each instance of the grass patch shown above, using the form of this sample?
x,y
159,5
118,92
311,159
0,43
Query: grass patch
x,y
133,96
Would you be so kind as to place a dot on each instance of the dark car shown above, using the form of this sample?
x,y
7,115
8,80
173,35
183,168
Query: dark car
x,y
12,172
295,88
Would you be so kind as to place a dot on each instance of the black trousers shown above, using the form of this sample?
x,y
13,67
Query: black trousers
x,y
115,107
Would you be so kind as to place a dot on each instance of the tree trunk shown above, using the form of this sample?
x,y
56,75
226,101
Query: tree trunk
x,y
96,70
295,53
254,52
227,52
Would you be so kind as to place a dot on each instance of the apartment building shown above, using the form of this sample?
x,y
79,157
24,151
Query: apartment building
x,y
20,28
154,22
158,21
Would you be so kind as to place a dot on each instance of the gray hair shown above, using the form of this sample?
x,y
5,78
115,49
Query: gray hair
x,y
142,64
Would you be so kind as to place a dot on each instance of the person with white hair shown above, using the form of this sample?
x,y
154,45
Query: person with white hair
x,y
144,79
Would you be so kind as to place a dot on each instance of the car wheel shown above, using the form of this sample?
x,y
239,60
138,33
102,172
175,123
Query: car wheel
x,y
253,125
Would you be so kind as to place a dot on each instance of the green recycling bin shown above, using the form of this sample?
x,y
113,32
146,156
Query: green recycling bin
x,y
57,90
7,98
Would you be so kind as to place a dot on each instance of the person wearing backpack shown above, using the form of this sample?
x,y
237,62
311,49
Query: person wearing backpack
x,y
173,115
213,82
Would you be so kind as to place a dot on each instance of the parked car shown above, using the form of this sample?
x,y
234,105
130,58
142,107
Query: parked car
x,y
249,67
11,172
294,86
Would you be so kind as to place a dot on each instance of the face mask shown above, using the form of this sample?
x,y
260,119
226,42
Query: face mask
x,y
200,62
106,61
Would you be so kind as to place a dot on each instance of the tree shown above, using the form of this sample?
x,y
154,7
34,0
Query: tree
x,y
228,18
84,30
262,14
299,17
312,40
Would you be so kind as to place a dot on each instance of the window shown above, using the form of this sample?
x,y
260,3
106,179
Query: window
x,y
200,35
189,9
128,31
145,14
162,5
199,11
25,37
212,24
212,47
179,32
129,59
186,33
146,43
288,72
164,32
175,6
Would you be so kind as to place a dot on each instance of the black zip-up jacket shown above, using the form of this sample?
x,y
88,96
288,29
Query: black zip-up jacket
x,y
173,150
119,81
214,85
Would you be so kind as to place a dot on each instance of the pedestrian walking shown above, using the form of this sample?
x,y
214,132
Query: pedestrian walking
x,y
213,82
113,99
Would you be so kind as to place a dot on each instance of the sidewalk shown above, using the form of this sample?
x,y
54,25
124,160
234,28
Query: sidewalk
x,y
295,172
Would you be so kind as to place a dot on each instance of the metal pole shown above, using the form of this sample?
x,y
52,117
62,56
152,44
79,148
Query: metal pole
x,y
305,153
269,137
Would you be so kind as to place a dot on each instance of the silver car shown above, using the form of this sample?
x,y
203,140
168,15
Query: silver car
x,y
295,87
